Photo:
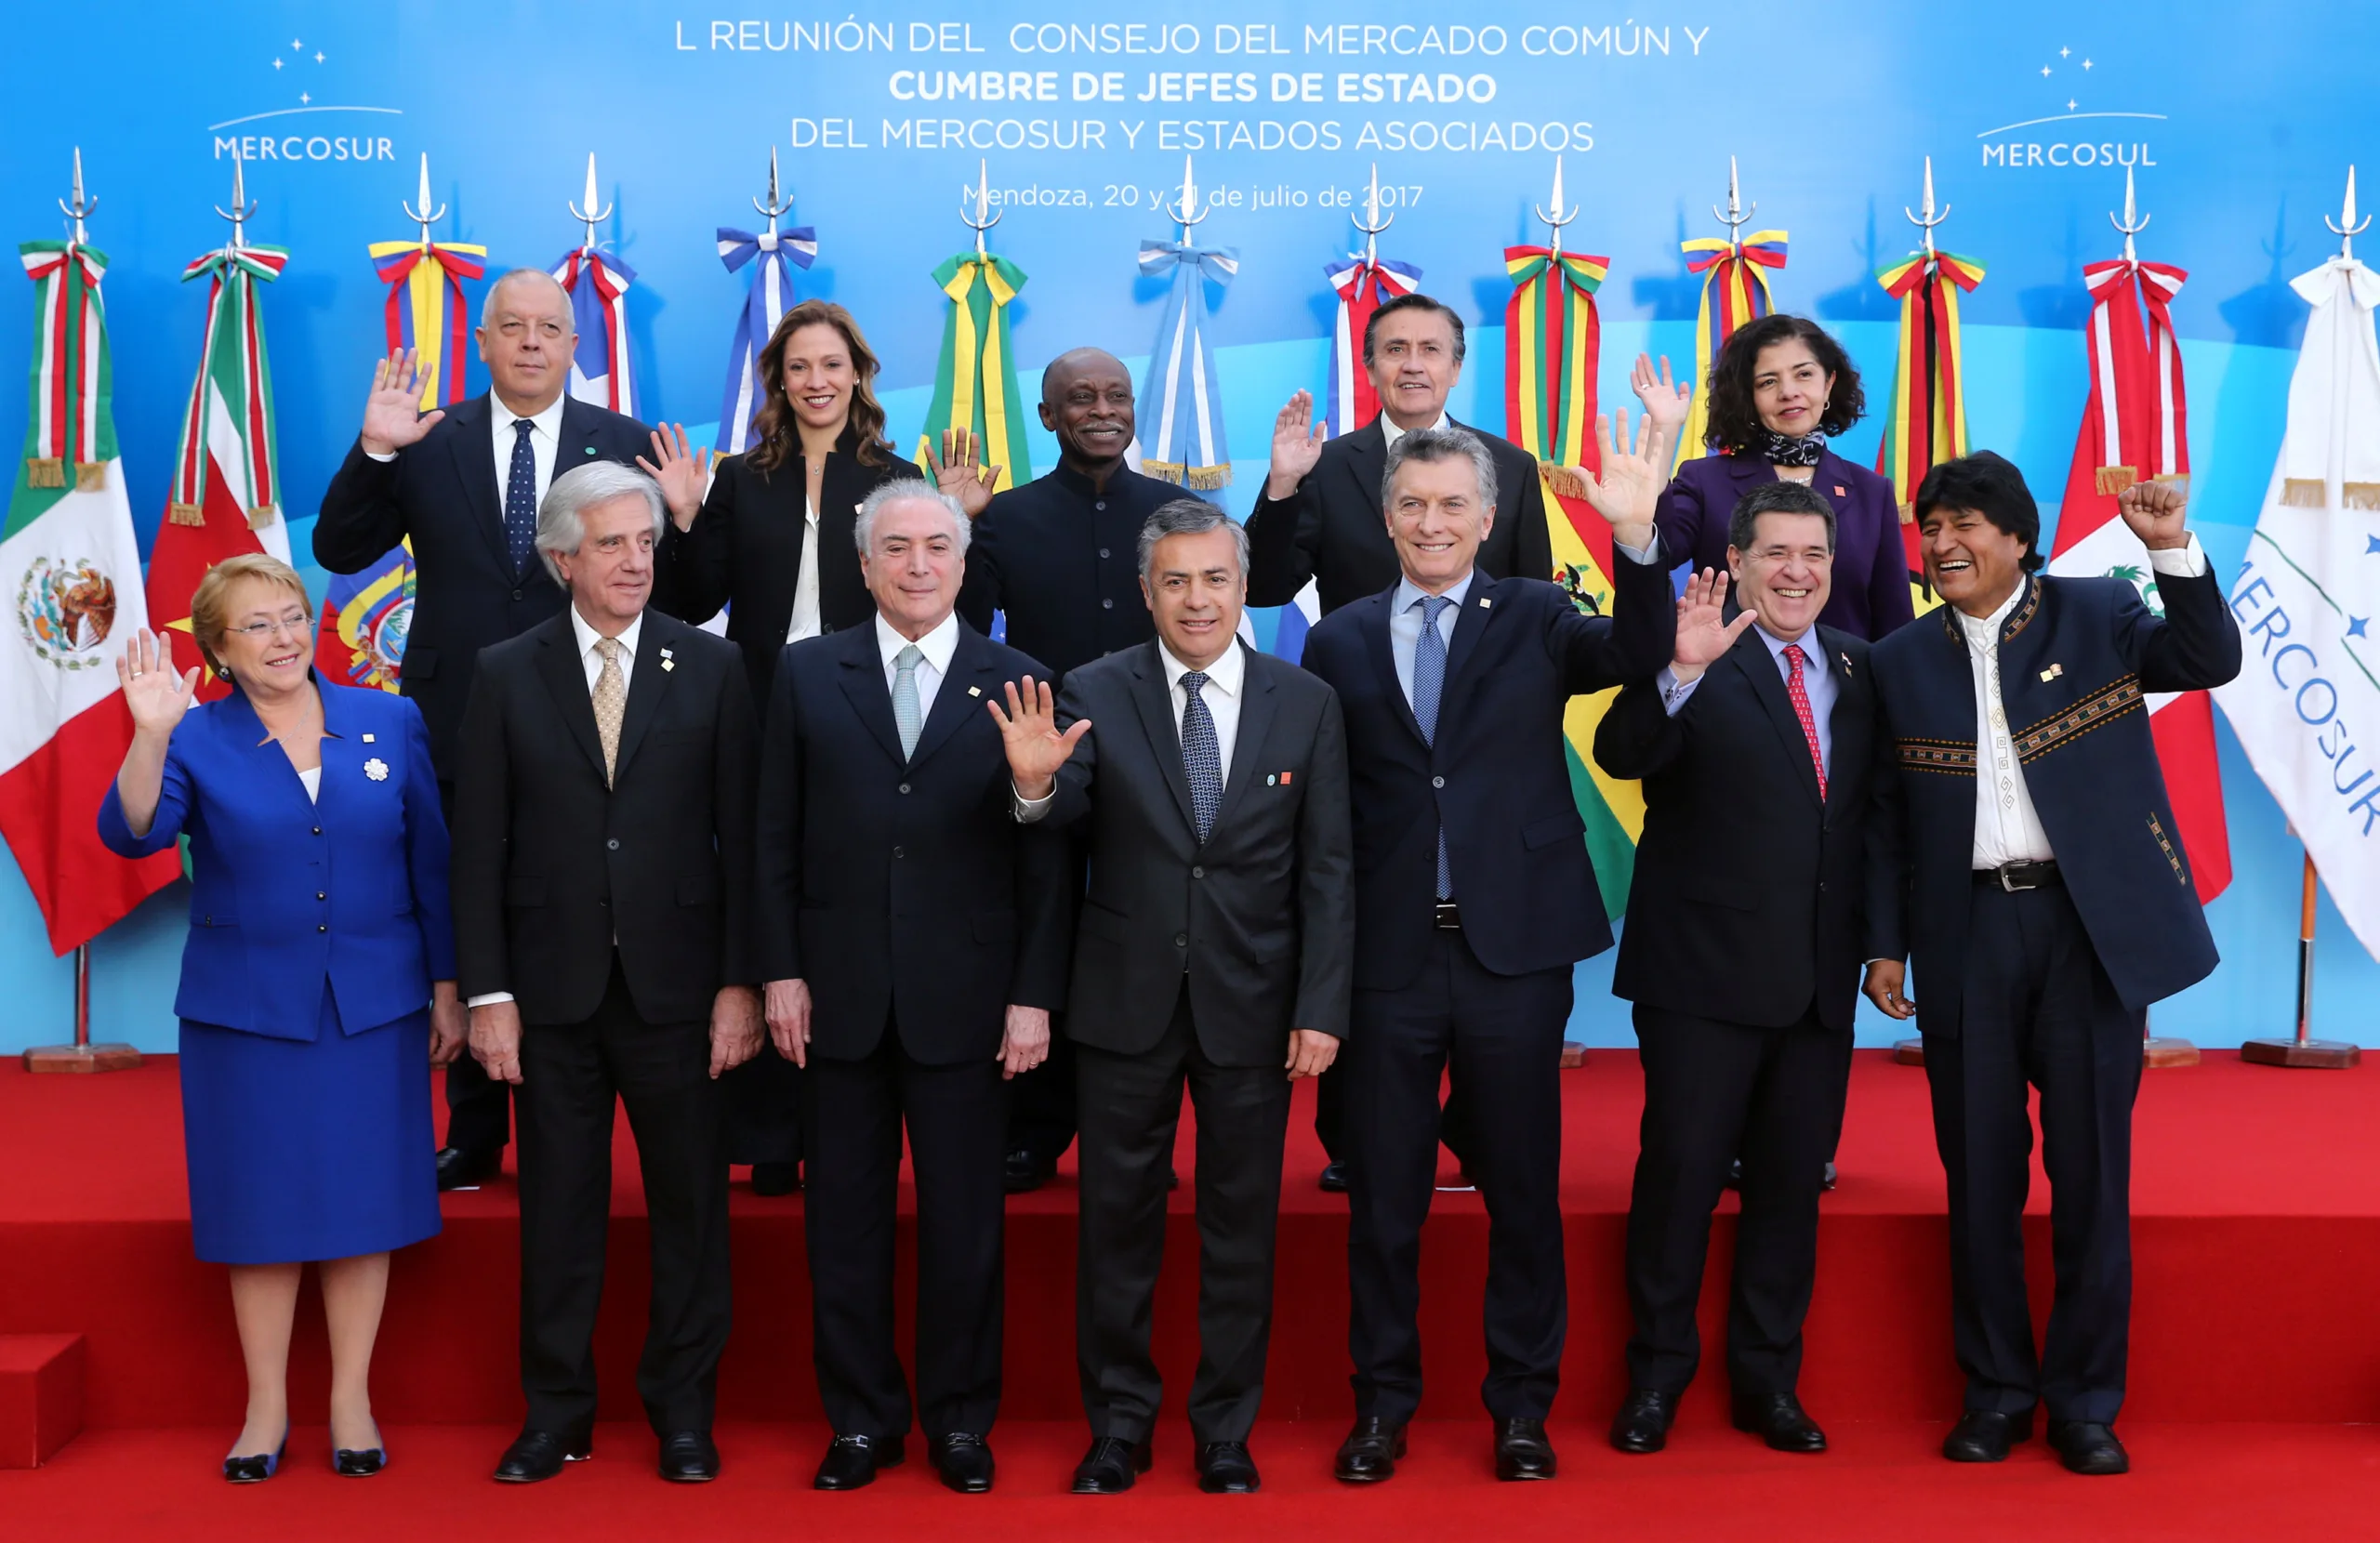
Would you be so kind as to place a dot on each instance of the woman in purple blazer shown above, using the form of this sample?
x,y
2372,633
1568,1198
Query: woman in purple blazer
x,y
1778,389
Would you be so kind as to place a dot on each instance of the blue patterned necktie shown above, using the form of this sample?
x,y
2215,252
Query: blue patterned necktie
x,y
1202,758
1429,678
520,497
905,716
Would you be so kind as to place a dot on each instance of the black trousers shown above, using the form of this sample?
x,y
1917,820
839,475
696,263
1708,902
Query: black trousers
x,y
1499,1037
1713,1089
571,1075
853,1114
1131,1105
1330,1122
479,1109
763,1102
2038,1009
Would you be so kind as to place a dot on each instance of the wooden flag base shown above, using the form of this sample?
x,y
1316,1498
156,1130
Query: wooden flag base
x,y
2335,1055
1910,1053
1573,1054
81,1059
2156,1051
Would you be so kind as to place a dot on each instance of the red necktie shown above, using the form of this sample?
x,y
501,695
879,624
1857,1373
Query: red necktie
x,y
1801,710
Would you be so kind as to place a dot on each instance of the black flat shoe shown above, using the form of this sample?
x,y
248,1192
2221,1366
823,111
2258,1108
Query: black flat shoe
x,y
1985,1435
537,1456
1370,1453
2088,1447
689,1458
348,1464
1642,1424
1224,1468
851,1461
1110,1465
464,1168
1777,1419
775,1178
255,1470
1022,1173
964,1461
1334,1177
1522,1451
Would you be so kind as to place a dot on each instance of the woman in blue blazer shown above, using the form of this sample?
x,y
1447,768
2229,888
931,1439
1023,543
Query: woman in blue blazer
x,y
317,986
1780,388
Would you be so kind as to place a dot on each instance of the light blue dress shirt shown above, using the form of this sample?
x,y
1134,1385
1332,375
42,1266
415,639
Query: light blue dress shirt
x,y
1405,614
1818,683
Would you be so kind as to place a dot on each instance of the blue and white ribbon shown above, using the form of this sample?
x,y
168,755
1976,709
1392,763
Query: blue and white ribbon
x,y
764,306
1181,410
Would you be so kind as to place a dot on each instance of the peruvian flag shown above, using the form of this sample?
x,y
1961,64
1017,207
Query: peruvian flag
x,y
1363,286
73,568
2135,428
226,494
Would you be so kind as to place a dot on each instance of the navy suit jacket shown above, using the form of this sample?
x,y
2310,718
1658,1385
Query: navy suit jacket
x,y
1870,594
1497,775
286,894
2078,660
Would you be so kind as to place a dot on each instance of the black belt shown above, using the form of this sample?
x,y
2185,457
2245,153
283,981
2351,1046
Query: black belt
x,y
1449,917
2017,877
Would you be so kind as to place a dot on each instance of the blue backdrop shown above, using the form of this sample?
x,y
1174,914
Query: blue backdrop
x,y
2239,127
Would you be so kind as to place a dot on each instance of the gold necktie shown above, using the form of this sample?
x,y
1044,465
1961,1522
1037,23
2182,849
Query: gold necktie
x,y
611,702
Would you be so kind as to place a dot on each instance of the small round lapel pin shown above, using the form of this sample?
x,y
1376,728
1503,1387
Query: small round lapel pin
x,y
377,769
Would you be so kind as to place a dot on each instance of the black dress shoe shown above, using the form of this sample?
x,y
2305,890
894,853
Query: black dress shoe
x,y
1643,1423
775,1178
964,1461
1522,1451
1334,1177
689,1458
462,1168
258,1467
350,1464
1985,1435
1109,1467
1224,1468
536,1455
851,1461
2085,1446
1370,1453
1021,1172
1777,1419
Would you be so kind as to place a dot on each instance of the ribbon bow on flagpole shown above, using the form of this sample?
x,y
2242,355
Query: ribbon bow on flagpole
x,y
437,322
764,304
975,384
1734,290
2136,401
1927,424
1181,410
233,372
597,283
69,394
1363,287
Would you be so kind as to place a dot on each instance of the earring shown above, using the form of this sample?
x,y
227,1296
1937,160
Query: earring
x,y
222,672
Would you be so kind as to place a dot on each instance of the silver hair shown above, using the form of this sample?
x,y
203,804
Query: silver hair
x,y
562,524
1190,516
898,490
487,301
1427,445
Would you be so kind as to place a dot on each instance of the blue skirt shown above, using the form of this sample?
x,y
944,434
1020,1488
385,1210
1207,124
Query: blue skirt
x,y
304,1150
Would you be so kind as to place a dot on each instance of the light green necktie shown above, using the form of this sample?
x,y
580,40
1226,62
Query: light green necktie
x,y
905,716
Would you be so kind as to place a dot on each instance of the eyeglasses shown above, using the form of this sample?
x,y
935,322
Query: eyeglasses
x,y
295,626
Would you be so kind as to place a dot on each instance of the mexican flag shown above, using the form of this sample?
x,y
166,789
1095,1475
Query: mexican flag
x,y
72,570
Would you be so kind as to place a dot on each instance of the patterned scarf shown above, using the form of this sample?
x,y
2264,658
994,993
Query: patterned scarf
x,y
1793,449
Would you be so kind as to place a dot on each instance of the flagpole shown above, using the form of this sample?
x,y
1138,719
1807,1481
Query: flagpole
x,y
2305,1049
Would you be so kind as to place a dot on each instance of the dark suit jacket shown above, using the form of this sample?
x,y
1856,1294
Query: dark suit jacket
x,y
1499,775
744,552
1870,594
552,866
1331,530
1746,899
441,494
2090,763
902,887
1260,914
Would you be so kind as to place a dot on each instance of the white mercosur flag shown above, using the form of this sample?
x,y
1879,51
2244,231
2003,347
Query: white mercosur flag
x,y
2306,703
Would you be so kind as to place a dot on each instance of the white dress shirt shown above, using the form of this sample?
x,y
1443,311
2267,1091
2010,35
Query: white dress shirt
x,y
805,621
544,443
1225,687
1390,432
937,646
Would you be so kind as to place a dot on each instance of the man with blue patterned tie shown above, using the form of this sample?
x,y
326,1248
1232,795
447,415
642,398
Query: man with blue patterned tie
x,y
1212,951
462,485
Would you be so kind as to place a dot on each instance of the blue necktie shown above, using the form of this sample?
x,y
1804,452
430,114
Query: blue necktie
x,y
905,716
1429,678
1202,758
520,497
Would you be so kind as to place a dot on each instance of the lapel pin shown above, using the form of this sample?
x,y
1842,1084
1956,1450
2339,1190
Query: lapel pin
x,y
1482,602
668,664
1839,492
368,739
377,769
974,691
2053,672
665,653
1846,657
1286,776
1269,781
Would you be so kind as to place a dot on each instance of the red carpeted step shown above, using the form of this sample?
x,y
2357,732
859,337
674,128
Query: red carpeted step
x,y
41,1397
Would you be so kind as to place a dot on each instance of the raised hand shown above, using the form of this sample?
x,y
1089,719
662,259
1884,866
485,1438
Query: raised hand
x,y
2155,512
156,692
1666,403
682,473
955,473
1702,636
1297,444
392,414
1029,729
1630,489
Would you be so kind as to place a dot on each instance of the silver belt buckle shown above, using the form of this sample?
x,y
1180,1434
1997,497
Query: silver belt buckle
x,y
2009,883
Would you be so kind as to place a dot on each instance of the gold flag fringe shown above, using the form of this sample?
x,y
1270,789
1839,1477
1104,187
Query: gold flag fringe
x,y
2114,479
1206,479
2301,492
2360,496
44,471
1164,471
185,514
262,516
89,476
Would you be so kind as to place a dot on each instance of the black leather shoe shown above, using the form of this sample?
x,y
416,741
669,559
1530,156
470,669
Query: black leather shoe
x,y
1334,1177
1643,1422
258,1467
1370,1453
1522,1451
964,1461
775,1178
461,1167
1224,1468
350,1464
1777,1419
1110,1465
2088,1447
1172,1179
851,1461
1985,1435
537,1456
1021,1172
689,1458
